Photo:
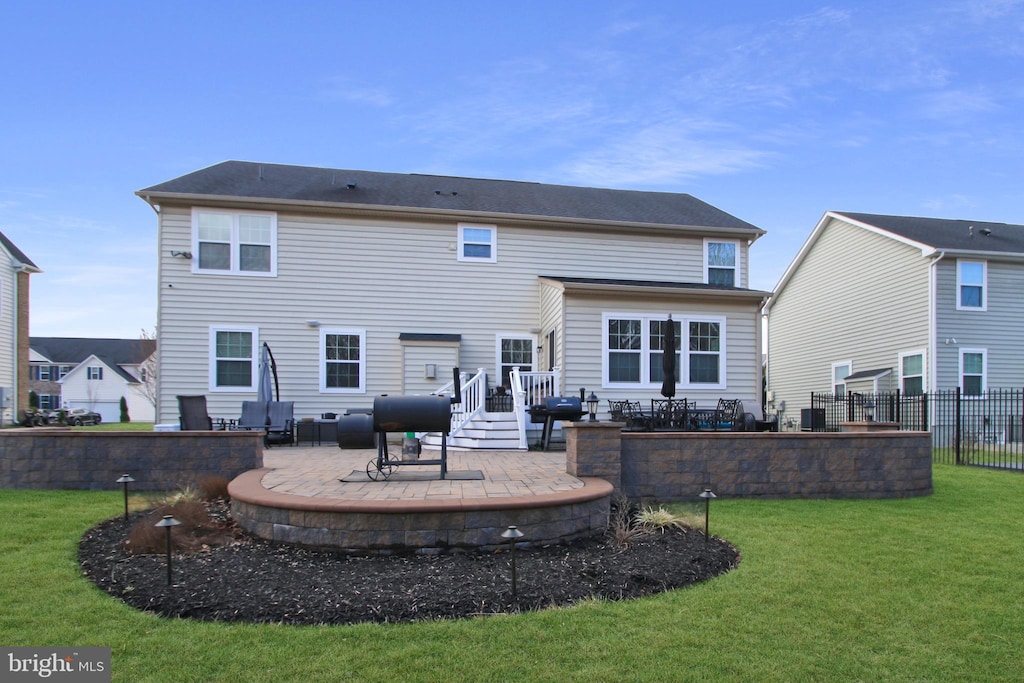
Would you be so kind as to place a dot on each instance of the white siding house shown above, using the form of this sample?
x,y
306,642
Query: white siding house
x,y
15,268
876,303
369,283
82,372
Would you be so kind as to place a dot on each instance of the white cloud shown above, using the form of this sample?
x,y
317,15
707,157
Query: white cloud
x,y
664,154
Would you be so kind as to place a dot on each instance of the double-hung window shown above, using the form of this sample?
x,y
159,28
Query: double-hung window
x,y
972,371
721,263
971,281
342,361
513,352
478,243
94,372
233,360
912,373
234,243
634,346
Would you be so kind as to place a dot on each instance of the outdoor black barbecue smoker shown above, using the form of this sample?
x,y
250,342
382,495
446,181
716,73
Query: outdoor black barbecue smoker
x,y
412,414
555,408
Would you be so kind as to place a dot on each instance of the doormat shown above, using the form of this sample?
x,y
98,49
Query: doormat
x,y
398,475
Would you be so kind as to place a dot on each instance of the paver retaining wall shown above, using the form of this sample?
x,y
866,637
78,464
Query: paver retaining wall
x,y
61,458
676,466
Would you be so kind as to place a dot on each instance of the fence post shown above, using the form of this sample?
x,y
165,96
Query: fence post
x,y
957,427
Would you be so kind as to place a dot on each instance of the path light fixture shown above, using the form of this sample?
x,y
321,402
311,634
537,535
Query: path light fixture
x,y
167,522
592,402
512,534
707,495
125,479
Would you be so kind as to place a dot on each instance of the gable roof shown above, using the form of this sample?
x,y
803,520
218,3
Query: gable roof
x,y
979,239
110,365
445,195
945,234
74,350
18,255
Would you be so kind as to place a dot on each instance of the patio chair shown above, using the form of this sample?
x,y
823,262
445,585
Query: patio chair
x,y
280,423
192,414
254,416
728,415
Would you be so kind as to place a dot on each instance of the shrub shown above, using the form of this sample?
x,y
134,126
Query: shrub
x,y
660,518
213,487
124,410
146,537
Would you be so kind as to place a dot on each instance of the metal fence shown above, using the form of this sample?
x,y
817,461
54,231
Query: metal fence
x,y
984,429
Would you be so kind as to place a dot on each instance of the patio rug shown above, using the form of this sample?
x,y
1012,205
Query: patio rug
x,y
399,475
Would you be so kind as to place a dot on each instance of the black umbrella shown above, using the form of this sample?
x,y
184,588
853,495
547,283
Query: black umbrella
x,y
668,359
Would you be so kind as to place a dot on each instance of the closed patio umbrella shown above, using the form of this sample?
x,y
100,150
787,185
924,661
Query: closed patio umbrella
x,y
267,370
668,360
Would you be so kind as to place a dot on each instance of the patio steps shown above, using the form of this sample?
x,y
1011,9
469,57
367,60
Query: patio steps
x,y
490,431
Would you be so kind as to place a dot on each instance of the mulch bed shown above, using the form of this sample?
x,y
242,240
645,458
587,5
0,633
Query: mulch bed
x,y
241,578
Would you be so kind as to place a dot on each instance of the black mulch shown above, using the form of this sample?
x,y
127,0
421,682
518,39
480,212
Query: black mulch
x,y
252,580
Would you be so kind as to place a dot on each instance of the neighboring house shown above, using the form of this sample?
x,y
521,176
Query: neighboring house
x,y
366,283
15,268
74,372
878,303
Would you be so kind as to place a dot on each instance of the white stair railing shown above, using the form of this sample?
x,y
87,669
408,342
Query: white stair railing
x,y
530,388
474,393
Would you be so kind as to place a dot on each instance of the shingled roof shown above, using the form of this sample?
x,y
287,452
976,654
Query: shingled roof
x,y
946,234
443,194
17,254
73,350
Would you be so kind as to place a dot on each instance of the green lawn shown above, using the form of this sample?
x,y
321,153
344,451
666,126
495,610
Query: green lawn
x,y
925,589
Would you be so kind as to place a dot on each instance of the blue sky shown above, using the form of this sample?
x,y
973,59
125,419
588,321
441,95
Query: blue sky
x,y
772,111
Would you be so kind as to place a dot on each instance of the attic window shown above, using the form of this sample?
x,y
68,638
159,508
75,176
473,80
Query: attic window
x,y
94,372
478,243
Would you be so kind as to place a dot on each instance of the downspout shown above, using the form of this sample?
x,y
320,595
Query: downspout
x,y
933,323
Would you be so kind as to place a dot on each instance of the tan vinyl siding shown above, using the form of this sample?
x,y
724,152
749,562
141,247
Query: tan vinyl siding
x,y
857,296
585,331
385,277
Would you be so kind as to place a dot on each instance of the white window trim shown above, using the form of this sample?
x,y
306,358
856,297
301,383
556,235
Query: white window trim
x,y
512,335
322,362
984,286
212,351
984,370
736,267
924,367
493,258
684,320
89,372
832,378
235,266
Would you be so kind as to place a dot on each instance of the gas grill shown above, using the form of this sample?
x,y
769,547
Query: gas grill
x,y
554,408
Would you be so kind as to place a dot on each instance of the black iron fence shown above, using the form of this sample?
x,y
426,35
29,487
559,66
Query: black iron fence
x,y
985,429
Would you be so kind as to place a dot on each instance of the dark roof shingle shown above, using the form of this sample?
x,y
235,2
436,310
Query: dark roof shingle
x,y
949,234
73,350
241,179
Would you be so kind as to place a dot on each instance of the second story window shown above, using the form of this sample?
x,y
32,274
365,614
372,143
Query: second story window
x,y
94,372
721,261
234,243
971,280
478,243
